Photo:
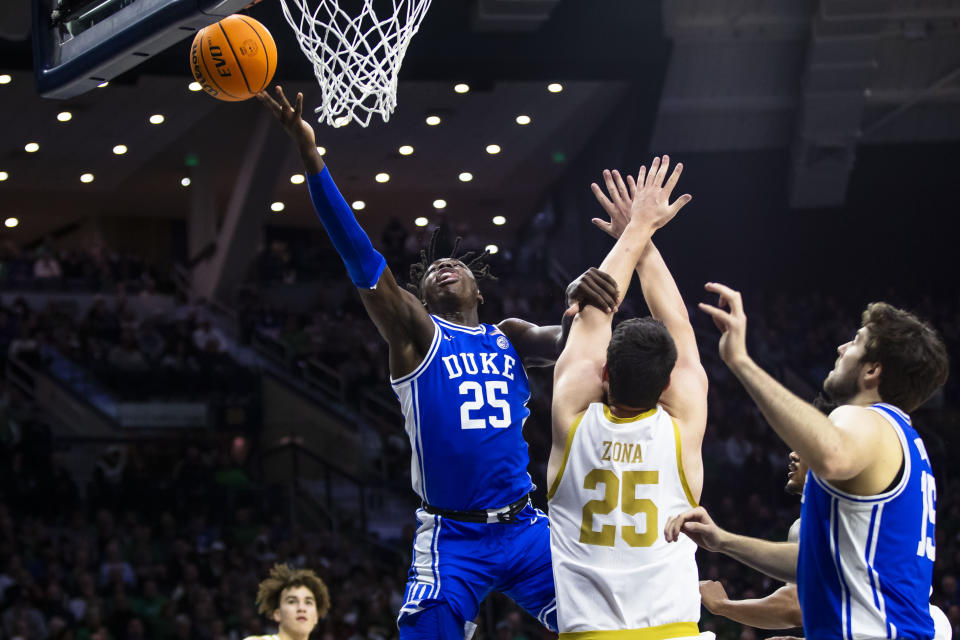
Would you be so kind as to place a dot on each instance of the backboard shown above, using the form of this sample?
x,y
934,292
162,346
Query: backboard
x,y
79,44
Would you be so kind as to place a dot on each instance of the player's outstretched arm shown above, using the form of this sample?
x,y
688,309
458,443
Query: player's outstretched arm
x,y
775,559
577,378
541,346
837,448
686,397
398,315
779,610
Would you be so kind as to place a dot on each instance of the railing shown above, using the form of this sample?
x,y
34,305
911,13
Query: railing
x,y
296,449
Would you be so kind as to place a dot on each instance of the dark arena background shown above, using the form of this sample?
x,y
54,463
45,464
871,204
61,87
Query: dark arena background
x,y
190,390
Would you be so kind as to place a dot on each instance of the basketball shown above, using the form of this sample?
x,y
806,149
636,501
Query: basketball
x,y
234,59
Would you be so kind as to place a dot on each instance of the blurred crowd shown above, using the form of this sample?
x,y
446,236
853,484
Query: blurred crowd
x,y
137,347
170,543
94,268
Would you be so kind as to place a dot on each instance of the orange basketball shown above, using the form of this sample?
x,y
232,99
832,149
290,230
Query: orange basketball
x,y
233,59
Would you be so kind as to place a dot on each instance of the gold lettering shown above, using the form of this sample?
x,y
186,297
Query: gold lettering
x,y
606,451
637,457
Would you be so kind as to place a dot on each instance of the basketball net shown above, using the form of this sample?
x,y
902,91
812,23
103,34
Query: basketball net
x,y
356,58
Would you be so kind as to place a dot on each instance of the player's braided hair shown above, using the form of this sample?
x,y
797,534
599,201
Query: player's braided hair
x,y
474,262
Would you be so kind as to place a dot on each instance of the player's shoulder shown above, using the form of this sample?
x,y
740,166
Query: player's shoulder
x,y
854,416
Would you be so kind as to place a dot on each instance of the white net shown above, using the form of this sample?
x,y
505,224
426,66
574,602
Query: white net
x,y
356,53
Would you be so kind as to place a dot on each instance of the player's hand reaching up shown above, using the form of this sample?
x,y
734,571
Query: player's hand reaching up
x,y
290,116
646,199
733,323
698,526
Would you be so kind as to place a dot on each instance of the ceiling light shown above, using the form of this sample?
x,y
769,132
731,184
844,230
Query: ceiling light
x,y
421,221
461,88
405,150
120,149
86,178
492,248
157,118
554,87
10,223
31,147
493,149
64,116
466,176
322,151
6,79
194,86
433,120
103,84
523,119
382,177
342,121
439,203
297,178
4,175
499,220
358,205
277,206
185,182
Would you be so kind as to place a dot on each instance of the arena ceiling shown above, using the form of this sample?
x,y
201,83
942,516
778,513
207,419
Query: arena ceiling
x,y
817,79
589,51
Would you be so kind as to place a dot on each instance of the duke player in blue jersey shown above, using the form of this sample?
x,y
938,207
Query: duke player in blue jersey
x,y
864,565
463,391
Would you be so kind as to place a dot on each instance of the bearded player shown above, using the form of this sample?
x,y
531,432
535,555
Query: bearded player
x,y
864,565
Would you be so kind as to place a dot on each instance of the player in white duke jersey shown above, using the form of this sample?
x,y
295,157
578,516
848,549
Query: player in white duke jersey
x,y
295,599
864,565
629,413
463,392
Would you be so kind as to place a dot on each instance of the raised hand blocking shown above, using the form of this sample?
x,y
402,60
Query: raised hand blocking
x,y
732,323
646,199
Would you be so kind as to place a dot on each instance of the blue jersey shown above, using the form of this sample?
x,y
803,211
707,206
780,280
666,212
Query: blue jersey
x,y
866,562
464,409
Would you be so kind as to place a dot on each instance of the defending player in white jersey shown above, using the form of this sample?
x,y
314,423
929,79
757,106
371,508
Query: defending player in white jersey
x,y
295,599
629,412
864,565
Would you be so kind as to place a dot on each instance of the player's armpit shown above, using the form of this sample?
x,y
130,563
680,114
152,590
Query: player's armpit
x,y
536,345
401,320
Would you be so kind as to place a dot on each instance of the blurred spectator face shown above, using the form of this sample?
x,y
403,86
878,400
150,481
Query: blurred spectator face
x,y
297,614
182,627
949,586
135,629
54,593
87,589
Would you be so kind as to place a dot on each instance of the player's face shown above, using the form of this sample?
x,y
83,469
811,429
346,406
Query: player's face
x,y
796,475
449,283
297,614
843,382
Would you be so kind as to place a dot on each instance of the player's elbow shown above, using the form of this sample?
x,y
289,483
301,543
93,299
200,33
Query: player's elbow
x,y
793,616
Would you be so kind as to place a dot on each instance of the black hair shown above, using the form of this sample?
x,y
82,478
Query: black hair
x,y
476,263
640,358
